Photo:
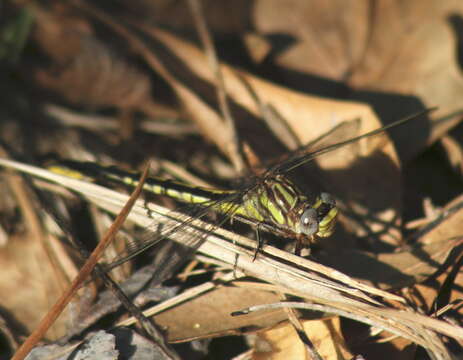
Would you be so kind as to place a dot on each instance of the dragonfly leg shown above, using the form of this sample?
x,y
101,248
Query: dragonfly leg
x,y
149,212
299,245
259,243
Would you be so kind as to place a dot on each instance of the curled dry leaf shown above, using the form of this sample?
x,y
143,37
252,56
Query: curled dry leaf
x,y
412,265
454,153
395,54
29,284
284,343
85,70
393,270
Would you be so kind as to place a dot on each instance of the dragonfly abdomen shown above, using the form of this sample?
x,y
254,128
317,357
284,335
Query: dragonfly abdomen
x,y
171,188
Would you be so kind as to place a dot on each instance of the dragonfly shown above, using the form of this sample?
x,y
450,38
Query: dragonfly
x,y
270,202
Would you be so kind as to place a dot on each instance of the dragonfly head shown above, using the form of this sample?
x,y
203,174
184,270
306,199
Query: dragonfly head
x,y
319,219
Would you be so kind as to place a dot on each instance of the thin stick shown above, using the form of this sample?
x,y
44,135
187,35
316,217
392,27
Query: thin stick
x,y
84,273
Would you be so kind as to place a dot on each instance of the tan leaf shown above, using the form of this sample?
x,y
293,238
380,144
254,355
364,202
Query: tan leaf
x,y
284,343
395,54
454,153
29,284
393,270
209,314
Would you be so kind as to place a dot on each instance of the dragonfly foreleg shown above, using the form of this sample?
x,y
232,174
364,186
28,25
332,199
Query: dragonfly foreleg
x,y
299,244
259,242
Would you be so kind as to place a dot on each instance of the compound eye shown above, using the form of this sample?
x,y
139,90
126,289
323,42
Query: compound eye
x,y
328,199
309,221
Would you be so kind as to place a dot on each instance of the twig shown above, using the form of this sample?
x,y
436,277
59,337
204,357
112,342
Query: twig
x,y
84,273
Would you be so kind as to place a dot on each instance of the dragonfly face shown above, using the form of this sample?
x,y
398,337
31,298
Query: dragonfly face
x,y
317,218
327,215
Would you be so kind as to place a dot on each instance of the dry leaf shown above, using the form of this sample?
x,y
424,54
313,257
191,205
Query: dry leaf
x,y
284,343
29,285
449,225
388,52
454,153
209,314
395,54
430,289
85,70
412,265
394,270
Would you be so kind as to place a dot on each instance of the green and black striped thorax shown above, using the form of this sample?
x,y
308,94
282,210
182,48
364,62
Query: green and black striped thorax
x,y
278,201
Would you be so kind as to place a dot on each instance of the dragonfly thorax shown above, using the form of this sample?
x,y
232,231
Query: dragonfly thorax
x,y
278,202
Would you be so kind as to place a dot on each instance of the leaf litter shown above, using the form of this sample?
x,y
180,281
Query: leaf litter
x,y
150,72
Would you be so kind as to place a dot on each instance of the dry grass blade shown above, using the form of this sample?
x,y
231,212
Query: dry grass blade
x,y
84,273
307,282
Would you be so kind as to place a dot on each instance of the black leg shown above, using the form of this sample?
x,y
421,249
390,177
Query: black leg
x,y
259,243
299,242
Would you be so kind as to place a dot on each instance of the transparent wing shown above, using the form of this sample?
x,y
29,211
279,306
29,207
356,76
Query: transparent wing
x,y
337,138
191,235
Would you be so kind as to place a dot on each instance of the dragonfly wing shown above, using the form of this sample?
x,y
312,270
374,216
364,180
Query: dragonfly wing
x,y
311,151
189,237
368,188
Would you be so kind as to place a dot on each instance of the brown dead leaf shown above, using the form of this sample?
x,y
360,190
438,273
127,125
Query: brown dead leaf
x,y
413,265
119,84
209,314
309,116
350,46
85,70
35,267
449,225
284,343
394,54
393,270
323,38
188,72
221,16
29,285
430,289
454,153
